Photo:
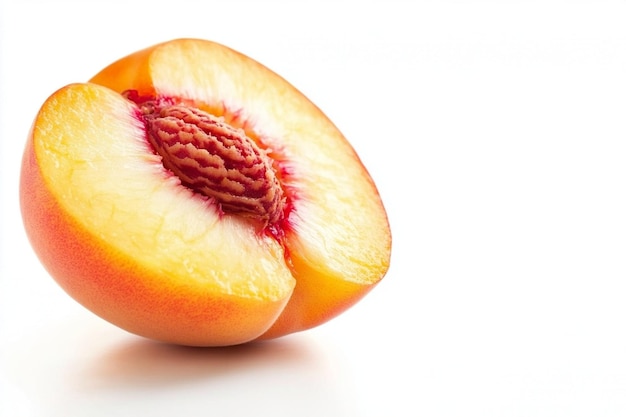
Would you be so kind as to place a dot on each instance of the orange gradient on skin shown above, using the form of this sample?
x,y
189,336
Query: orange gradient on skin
x,y
123,237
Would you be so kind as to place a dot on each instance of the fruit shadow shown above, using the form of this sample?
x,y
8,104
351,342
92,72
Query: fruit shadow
x,y
62,372
145,363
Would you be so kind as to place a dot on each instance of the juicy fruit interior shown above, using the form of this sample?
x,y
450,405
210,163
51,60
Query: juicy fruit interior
x,y
324,247
108,178
338,225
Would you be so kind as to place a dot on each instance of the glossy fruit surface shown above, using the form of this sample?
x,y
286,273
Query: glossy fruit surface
x,y
129,237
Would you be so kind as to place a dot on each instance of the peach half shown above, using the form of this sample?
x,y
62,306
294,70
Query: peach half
x,y
188,194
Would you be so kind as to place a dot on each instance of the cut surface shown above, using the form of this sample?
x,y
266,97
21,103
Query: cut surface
x,y
91,158
105,175
336,233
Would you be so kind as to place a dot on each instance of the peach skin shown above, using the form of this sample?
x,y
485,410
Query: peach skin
x,y
188,194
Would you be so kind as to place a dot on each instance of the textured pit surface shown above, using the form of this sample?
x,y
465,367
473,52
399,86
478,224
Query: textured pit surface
x,y
216,160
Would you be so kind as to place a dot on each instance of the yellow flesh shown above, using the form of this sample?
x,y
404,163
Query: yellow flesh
x,y
338,225
94,156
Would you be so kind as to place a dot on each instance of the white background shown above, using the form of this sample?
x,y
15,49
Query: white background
x,y
496,133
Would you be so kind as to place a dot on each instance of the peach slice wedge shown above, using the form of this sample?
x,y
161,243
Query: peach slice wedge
x,y
188,194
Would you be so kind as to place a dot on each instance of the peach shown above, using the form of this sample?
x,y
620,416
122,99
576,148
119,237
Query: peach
x,y
188,194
